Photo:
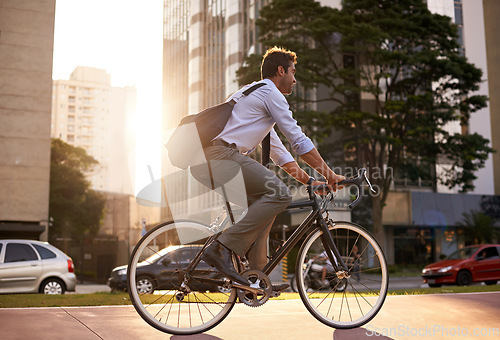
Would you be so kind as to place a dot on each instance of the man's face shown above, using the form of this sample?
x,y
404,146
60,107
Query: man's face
x,y
288,80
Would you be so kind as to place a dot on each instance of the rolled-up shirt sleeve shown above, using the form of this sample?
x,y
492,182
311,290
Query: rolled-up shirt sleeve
x,y
279,154
278,108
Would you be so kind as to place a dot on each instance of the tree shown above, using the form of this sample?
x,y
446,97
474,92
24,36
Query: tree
x,y
76,210
490,205
479,228
394,77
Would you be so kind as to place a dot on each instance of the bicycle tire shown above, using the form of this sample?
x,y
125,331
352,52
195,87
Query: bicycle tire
x,y
199,310
366,286
293,284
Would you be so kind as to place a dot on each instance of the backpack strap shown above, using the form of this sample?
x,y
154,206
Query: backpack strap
x,y
266,150
246,93
253,88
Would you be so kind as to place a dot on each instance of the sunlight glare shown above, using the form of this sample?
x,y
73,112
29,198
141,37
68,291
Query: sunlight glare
x,y
125,38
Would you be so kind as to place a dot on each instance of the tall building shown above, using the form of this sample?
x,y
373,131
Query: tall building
x,y
468,16
491,12
88,112
26,42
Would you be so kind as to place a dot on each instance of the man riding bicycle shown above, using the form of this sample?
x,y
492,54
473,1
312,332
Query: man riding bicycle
x,y
251,120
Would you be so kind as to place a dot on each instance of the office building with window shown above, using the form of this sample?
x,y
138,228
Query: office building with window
x,y
26,41
90,113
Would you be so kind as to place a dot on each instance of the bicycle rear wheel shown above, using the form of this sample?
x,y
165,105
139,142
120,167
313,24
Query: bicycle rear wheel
x,y
366,281
162,292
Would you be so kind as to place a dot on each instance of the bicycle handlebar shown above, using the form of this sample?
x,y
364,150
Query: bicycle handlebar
x,y
356,180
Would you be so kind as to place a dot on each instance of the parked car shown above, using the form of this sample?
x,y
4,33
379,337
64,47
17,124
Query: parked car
x,y
160,271
28,266
480,263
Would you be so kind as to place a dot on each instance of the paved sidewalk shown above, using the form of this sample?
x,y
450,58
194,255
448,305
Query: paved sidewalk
x,y
440,316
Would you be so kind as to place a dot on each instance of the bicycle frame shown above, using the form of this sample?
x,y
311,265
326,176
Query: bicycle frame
x,y
300,231
315,215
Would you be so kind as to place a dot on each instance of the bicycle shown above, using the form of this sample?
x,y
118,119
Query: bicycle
x,y
179,306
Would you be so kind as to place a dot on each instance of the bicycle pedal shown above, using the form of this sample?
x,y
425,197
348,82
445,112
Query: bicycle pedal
x,y
275,294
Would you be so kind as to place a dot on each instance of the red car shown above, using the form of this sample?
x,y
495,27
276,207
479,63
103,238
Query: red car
x,y
479,263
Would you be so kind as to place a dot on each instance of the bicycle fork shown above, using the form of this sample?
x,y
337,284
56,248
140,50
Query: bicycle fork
x,y
331,250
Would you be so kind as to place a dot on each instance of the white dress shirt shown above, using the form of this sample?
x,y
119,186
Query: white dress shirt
x,y
255,115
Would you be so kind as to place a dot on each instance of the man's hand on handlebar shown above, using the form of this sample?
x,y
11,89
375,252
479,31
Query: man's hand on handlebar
x,y
331,185
333,180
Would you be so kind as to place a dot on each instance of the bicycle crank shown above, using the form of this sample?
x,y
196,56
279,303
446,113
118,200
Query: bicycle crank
x,y
260,288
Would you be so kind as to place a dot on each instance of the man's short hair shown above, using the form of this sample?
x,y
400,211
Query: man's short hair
x,y
275,57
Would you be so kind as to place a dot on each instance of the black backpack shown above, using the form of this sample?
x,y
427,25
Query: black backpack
x,y
184,149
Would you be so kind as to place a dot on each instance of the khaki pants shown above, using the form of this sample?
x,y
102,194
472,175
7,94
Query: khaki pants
x,y
267,196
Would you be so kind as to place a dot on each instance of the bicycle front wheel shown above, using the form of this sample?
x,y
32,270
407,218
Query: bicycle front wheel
x,y
365,282
164,293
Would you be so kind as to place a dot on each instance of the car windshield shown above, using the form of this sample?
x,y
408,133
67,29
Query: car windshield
x,y
156,255
462,254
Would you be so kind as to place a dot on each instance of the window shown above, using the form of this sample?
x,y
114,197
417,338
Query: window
x,y
44,252
17,252
489,253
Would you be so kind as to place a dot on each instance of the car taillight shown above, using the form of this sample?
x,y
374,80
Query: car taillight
x,y
71,267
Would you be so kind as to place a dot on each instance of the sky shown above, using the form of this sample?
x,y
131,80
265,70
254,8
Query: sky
x,y
124,37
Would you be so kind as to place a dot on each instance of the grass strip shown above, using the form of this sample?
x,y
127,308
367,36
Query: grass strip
x,y
120,298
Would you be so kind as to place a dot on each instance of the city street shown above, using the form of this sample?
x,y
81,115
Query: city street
x,y
440,316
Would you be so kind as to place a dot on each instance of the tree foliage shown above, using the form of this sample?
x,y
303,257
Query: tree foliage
x,y
479,228
396,84
76,210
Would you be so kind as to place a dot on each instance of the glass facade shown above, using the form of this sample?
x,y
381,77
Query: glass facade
x,y
175,61
459,21
215,52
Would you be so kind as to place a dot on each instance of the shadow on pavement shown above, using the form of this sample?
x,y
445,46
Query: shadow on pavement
x,y
356,333
195,337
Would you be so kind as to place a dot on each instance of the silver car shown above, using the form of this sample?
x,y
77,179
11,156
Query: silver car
x,y
28,266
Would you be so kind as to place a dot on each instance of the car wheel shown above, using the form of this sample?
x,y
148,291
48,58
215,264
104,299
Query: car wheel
x,y
434,285
53,287
144,285
491,282
464,278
